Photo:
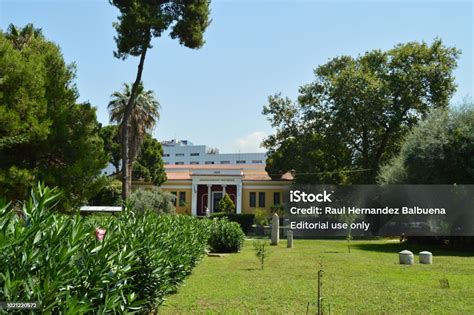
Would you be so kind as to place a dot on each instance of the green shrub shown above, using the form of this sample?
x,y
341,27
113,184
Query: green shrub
x,y
152,199
109,195
244,219
226,204
57,260
219,215
225,236
261,216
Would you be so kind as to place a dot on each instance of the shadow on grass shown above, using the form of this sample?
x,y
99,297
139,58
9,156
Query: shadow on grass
x,y
437,250
251,269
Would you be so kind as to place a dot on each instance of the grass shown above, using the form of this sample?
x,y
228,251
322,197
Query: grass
x,y
369,280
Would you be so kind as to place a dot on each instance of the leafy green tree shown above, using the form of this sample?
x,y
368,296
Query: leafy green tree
x,y
143,118
226,204
149,163
139,22
150,160
23,113
44,134
352,118
440,150
110,136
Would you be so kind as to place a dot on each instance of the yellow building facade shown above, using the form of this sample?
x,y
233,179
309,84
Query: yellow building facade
x,y
199,188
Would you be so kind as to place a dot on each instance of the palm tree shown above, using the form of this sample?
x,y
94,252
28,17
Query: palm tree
x,y
21,36
143,118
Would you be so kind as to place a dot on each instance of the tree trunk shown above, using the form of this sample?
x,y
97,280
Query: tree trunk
x,y
130,173
126,179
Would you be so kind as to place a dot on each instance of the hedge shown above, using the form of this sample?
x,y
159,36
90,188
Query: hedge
x,y
58,261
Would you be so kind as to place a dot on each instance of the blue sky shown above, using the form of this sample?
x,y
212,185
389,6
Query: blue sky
x,y
215,95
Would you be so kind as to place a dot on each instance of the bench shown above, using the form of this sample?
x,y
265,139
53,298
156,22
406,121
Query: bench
x,y
99,209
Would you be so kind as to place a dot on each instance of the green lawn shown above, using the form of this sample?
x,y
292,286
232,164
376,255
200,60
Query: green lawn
x,y
368,280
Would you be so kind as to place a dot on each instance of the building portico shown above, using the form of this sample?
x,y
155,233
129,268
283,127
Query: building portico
x,y
209,186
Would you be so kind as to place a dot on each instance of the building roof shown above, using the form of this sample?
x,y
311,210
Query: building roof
x,y
249,172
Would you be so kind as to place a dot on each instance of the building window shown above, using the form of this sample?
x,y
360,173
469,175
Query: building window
x,y
175,196
194,154
194,162
179,154
209,162
166,154
253,200
225,162
179,163
182,198
240,161
276,199
261,199
256,161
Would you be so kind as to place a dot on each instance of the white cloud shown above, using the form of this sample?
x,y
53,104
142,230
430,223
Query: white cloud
x,y
250,143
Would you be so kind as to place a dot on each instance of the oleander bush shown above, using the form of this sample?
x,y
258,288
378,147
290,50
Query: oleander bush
x,y
225,236
58,261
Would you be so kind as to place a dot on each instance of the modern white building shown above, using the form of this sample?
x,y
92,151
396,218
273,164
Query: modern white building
x,y
184,152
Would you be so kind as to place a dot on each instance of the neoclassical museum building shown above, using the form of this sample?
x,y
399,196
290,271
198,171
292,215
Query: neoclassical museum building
x,y
199,177
200,187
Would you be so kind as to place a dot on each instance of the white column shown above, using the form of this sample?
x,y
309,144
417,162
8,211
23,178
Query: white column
x,y
194,189
239,198
209,196
223,190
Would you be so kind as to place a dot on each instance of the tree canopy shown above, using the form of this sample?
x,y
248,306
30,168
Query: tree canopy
x,y
150,161
438,151
141,20
44,133
352,117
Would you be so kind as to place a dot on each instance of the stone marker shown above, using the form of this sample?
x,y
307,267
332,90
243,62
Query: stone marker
x,y
426,258
275,229
289,239
406,257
